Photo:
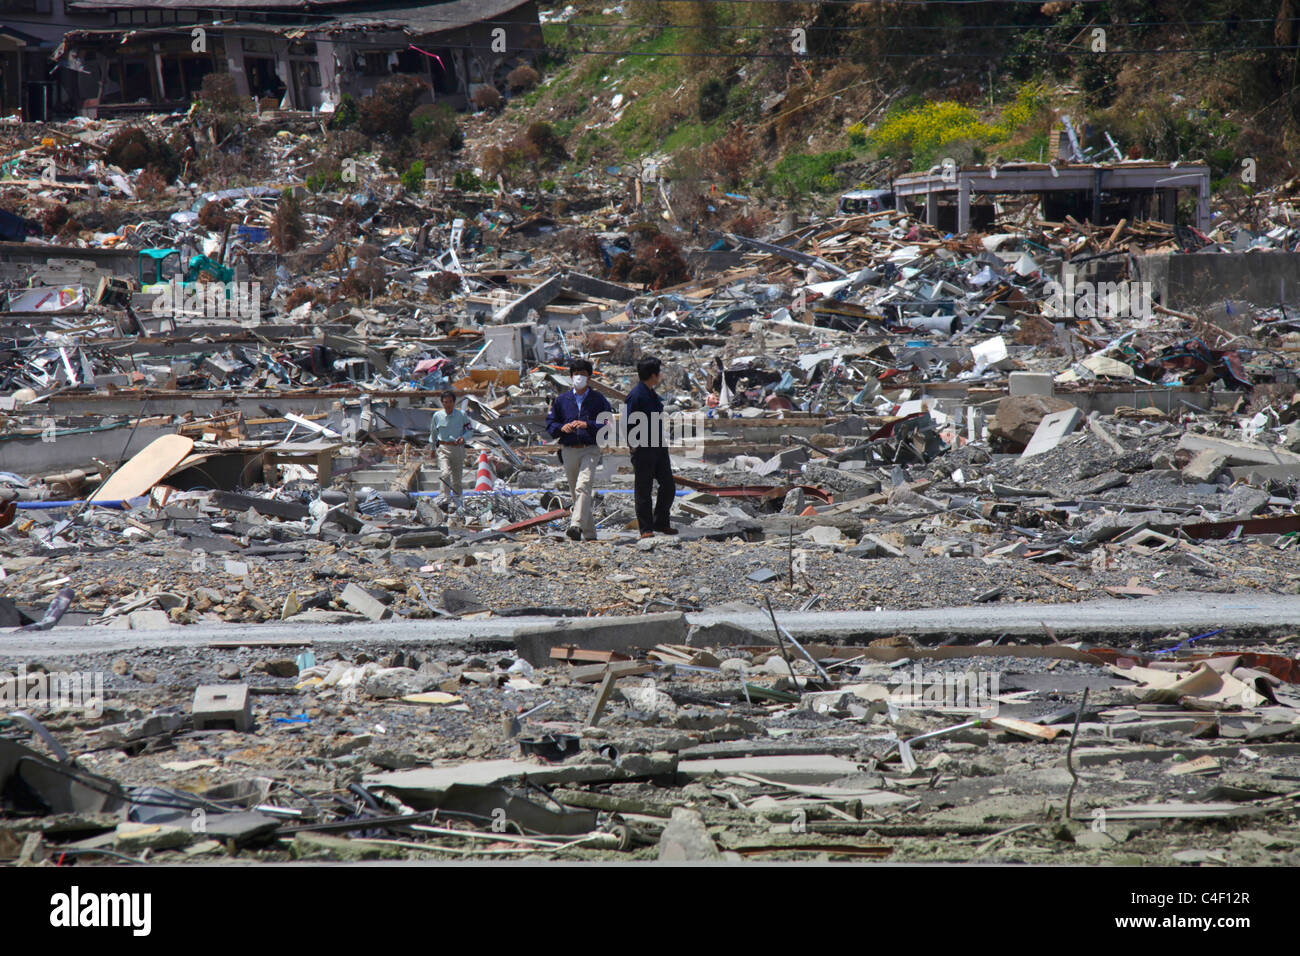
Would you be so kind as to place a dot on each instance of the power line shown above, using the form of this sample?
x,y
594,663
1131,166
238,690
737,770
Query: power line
x,y
818,57
783,27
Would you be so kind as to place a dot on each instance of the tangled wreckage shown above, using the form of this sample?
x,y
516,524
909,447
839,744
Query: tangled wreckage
x,y
982,533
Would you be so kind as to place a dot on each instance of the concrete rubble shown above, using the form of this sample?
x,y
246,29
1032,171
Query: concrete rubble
x,y
875,414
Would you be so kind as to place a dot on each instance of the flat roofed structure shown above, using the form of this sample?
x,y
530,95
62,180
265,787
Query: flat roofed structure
x,y
1097,187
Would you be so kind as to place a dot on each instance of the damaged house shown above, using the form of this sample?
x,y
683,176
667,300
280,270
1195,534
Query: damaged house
x,y
30,32
301,54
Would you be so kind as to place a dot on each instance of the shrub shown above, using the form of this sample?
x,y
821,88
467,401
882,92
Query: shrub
x,y
366,280
399,155
287,225
304,293
496,160
413,178
467,182
132,148
150,185
348,143
657,261
435,124
487,98
731,155
388,111
522,78
443,283
712,99
925,132
346,113
493,161
219,94
53,218
541,145
213,217
324,180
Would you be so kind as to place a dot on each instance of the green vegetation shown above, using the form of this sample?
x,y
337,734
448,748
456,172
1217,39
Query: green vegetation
x,y
986,84
346,113
413,178
927,132
323,181
798,174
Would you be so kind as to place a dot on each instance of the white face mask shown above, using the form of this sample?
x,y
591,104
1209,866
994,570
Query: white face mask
x,y
579,382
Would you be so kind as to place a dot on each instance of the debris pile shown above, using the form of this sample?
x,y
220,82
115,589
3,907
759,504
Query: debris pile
x,y
216,403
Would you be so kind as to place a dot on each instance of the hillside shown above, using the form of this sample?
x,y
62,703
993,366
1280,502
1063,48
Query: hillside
x,y
714,93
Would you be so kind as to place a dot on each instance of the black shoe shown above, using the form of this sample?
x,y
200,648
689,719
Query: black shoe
x,y
668,530
574,533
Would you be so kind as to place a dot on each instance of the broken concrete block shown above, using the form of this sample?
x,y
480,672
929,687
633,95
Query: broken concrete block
x,y
724,634
220,706
1262,474
1204,466
840,482
874,546
1244,501
1107,526
400,681
1239,452
363,602
317,846
1029,383
134,837
421,539
149,620
1051,430
787,460
607,633
795,502
825,534
1017,418
687,838
648,699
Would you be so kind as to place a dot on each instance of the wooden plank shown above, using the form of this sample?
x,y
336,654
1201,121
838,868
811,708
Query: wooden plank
x,y
1024,728
594,672
145,469
259,642
567,653
539,519
602,697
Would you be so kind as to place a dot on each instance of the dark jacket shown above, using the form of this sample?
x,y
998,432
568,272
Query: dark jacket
x,y
644,400
565,409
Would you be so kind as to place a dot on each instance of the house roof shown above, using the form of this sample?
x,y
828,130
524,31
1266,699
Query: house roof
x,y
325,15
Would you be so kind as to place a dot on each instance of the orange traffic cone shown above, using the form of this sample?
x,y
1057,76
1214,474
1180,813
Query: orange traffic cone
x,y
484,480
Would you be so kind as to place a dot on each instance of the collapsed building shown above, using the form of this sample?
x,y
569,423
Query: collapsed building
x,y
125,56
890,419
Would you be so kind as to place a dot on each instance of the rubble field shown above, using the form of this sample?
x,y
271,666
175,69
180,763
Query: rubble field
x,y
215,409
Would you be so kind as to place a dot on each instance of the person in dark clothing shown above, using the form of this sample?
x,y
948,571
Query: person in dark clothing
x,y
575,421
647,439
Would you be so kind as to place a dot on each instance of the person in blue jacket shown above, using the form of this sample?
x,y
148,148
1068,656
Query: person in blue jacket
x,y
575,422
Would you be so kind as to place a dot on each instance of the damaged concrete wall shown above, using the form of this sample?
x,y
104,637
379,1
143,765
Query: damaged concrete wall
x,y
1262,278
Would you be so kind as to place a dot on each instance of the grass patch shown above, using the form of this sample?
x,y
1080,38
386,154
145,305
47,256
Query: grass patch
x,y
798,174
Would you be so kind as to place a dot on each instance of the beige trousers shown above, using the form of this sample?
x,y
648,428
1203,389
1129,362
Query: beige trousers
x,y
580,468
451,468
